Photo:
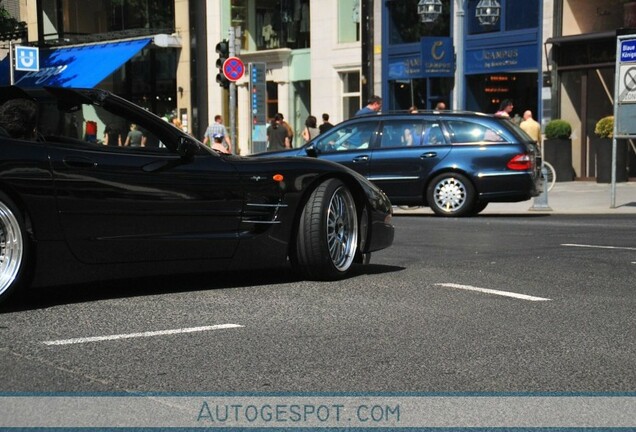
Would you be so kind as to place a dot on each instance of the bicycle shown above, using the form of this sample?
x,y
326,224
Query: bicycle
x,y
550,175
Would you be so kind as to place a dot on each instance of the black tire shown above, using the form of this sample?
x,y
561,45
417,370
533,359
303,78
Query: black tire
x,y
451,194
14,247
328,230
479,207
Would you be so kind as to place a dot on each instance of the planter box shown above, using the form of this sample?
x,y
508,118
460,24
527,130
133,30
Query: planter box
x,y
558,152
604,160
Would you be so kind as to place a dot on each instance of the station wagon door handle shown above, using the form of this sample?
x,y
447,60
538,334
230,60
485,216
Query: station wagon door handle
x,y
363,158
428,155
79,162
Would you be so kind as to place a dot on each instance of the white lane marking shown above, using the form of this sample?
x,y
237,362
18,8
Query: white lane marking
x,y
143,334
597,247
491,291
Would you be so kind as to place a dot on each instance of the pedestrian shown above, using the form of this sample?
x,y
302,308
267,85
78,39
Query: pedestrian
x,y
277,135
373,105
311,130
531,127
112,136
505,108
218,145
134,137
177,123
288,128
325,126
440,106
217,128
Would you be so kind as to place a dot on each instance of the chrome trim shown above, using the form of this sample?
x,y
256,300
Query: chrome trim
x,y
480,175
268,205
393,178
273,222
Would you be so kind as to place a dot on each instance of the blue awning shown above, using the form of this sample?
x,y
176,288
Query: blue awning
x,y
77,66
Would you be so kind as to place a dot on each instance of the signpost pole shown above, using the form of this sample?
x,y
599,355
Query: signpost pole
x,y
617,101
11,64
232,53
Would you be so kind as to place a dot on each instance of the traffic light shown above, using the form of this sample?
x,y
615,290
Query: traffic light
x,y
223,50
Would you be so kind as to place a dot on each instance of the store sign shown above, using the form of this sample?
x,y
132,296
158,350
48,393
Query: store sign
x,y
405,67
438,57
502,59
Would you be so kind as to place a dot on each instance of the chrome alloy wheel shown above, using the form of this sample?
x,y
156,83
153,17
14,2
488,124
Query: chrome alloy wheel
x,y
11,247
450,194
342,229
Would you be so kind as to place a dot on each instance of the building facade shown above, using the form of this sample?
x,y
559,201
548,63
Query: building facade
x,y
582,58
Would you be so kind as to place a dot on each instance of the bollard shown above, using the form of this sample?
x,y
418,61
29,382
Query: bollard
x,y
541,202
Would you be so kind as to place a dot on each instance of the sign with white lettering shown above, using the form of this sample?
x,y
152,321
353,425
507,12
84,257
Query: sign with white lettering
x,y
625,87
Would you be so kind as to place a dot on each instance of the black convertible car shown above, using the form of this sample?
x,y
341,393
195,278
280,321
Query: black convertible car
x,y
83,199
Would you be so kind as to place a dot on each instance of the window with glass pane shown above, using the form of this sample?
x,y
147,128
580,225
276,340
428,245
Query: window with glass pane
x,y
348,21
401,134
405,25
522,15
350,93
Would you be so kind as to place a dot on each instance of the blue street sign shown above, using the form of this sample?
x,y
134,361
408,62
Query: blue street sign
x,y
27,59
628,50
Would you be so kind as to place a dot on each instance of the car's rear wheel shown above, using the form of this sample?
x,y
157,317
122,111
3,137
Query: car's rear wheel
x,y
13,247
479,207
451,194
328,231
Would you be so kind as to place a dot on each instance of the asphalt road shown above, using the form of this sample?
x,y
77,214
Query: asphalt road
x,y
559,316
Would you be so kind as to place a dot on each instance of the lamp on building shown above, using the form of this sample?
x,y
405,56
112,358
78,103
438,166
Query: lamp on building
x,y
487,12
429,10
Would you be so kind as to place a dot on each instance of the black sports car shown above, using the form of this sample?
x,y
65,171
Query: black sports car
x,y
94,187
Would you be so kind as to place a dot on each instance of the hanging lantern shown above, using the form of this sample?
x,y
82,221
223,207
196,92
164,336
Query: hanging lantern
x,y
487,12
429,10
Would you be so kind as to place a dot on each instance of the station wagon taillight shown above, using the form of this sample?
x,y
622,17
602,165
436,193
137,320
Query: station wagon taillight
x,y
521,162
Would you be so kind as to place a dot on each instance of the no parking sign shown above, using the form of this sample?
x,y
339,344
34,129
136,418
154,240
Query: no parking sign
x,y
233,68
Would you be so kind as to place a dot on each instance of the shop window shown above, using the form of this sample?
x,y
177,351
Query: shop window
x,y
522,15
405,25
512,15
348,21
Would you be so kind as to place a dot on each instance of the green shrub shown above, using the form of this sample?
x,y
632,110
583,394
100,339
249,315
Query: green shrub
x,y
605,127
558,129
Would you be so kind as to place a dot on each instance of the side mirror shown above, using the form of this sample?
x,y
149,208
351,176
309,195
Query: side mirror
x,y
187,148
311,151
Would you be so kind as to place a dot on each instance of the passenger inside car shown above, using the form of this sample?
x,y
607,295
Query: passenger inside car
x,y
433,135
407,137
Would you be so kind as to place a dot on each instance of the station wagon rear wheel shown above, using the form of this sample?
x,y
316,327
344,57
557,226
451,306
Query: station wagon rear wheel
x,y
328,231
451,194
13,247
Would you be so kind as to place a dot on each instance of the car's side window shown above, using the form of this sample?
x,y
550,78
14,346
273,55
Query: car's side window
x,y
400,133
464,132
91,125
345,138
433,134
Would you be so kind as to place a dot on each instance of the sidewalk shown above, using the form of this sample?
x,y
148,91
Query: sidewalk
x,y
576,197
